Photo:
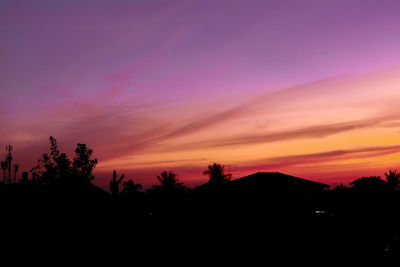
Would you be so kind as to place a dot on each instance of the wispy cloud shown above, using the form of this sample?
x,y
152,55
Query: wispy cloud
x,y
123,128
334,166
314,158
317,131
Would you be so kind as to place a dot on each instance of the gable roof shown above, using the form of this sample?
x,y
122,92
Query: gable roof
x,y
276,180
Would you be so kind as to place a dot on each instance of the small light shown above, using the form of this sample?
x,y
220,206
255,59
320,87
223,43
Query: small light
x,y
321,212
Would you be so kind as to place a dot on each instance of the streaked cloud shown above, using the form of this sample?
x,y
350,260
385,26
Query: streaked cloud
x,y
365,152
318,131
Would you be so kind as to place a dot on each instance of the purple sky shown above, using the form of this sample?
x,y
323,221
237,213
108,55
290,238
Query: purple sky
x,y
107,72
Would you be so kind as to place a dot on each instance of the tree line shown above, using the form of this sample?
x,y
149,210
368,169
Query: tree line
x,y
55,168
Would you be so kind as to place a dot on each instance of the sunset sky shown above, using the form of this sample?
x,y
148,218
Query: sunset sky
x,y
307,88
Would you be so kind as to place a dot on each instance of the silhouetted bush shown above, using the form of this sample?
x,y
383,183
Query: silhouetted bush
x,y
369,184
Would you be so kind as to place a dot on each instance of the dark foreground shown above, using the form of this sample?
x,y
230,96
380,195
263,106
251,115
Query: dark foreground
x,y
242,221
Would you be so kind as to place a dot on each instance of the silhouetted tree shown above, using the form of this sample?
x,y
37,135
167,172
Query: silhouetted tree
x,y
56,168
62,164
132,193
168,181
131,188
114,184
369,184
53,168
392,179
166,198
217,174
83,165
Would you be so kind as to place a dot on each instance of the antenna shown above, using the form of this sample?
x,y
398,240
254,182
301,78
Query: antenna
x,y
9,148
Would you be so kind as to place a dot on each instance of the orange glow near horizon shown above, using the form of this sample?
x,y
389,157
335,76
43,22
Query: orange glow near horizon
x,y
310,136
309,90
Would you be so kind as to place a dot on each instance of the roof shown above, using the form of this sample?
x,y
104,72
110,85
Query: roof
x,y
276,179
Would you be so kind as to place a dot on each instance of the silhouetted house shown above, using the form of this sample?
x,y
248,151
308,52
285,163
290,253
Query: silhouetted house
x,y
277,183
275,208
279,189
265,193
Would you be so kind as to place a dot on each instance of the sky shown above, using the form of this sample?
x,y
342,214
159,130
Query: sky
x,y
307,88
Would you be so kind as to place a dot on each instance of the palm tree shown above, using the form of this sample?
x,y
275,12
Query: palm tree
x,y
393,179
130,187
217,174
114,184
168,181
